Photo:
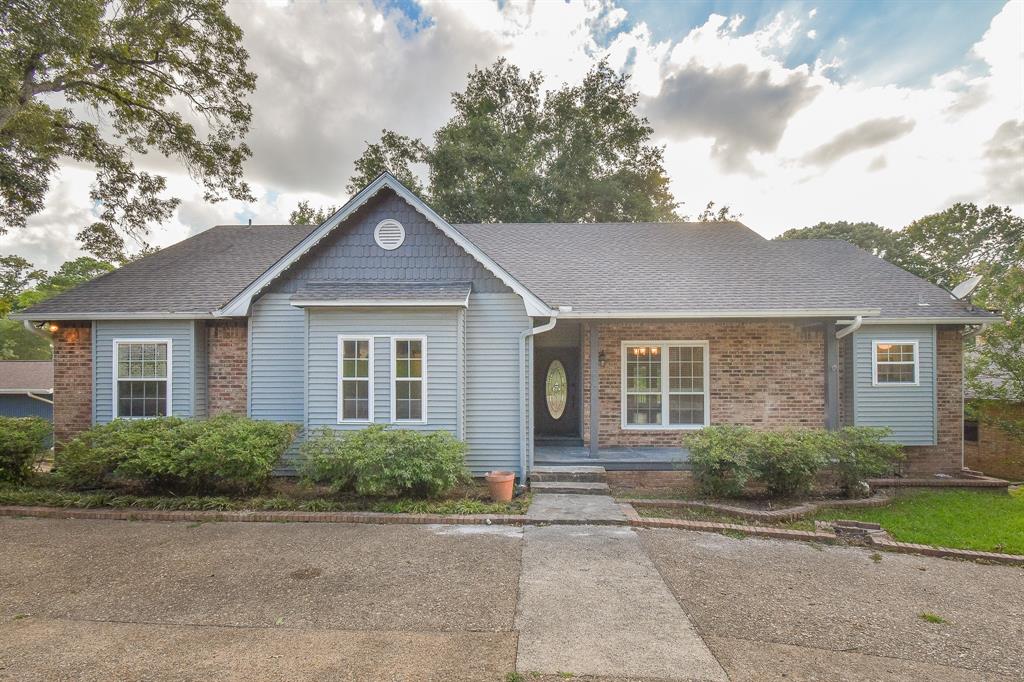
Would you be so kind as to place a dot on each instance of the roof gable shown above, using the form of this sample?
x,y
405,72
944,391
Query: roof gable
x,y
240,304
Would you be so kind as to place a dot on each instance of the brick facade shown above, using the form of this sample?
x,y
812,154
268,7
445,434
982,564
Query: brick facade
x,y
768,375
946,456
72,380
995,452
227,348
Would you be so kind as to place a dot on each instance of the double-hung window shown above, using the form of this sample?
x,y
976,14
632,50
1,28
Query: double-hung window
x,y
664,384
409,379
895,363
142,378
355,379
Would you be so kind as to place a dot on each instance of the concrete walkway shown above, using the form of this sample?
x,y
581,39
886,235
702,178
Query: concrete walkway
x,y
591,602
575,508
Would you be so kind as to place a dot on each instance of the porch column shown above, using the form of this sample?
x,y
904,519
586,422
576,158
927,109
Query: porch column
x,y
831,377
595,402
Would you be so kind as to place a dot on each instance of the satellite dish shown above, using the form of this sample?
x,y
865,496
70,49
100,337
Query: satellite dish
x,y
964,289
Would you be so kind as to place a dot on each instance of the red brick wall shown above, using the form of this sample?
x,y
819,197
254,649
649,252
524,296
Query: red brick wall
x,y
946,455
996,453
72,380
762,374
227,366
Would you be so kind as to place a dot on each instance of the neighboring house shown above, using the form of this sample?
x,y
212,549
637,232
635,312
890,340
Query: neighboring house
x,y
386,313
26,389
987,447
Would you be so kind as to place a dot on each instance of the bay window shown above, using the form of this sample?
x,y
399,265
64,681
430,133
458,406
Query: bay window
x,y
664,384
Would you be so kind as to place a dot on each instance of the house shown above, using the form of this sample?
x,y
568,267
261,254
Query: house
x,y
26,389
535,343
987,447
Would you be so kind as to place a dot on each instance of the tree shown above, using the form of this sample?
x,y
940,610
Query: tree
x,y
509,154
871,237
710,215
17,276
304,214
100,81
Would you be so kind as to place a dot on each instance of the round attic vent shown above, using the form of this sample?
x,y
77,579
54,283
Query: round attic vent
x,y
389,234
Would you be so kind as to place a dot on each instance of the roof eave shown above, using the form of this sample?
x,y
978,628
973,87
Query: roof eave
x,y
57,317
718,314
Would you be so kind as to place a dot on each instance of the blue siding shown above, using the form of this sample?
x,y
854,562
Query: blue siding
x,y
200,370
440,326
493,325
277,333
23,406
910,411
350,253
181,333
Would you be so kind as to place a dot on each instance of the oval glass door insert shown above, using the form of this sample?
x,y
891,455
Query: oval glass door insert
x,y
555,389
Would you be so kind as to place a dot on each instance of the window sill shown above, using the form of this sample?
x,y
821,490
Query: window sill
x,y
660,427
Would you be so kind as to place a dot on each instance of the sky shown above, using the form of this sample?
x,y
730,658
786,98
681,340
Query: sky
x,y
789,112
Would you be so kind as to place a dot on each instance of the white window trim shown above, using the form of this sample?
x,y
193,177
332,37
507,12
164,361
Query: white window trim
x,y
394,378
342,338
874,363
665,426
113,366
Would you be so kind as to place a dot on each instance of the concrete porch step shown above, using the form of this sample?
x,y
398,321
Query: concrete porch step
x,y
570,487
587,474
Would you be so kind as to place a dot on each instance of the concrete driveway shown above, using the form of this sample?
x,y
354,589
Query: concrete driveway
x,y
101,600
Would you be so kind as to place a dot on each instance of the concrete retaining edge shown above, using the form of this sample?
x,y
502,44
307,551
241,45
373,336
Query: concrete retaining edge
x,y
783,514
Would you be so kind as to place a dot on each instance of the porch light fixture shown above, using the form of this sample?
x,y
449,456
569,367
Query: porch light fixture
x,y
601,358
52,327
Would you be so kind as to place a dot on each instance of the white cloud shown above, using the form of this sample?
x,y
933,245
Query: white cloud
x,y
737,118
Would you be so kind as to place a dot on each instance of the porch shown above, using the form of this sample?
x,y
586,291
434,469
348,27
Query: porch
x,y
613,458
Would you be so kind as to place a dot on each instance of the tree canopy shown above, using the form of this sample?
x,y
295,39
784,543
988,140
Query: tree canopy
x,y
579,153
101,82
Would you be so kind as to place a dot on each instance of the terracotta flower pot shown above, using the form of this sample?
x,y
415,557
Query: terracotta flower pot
x,y
500,484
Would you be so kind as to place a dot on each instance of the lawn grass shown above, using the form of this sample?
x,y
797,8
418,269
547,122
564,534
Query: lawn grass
x,y
986,521
967,519
48,496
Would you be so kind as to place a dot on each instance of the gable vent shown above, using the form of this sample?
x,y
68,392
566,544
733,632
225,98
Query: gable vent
x,y
389,234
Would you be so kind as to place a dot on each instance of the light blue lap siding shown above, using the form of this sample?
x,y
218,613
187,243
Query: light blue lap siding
x,y
440,326
277,335
182,336
493,325
908,410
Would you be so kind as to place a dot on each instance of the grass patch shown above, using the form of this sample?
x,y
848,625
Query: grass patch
x,y
985,521
932,618
46,496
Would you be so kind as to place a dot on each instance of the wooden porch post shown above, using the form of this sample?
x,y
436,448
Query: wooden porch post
x,y
595,402
831,377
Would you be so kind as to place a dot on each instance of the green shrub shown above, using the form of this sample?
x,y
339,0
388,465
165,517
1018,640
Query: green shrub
x,y
719,457
381,461
169,452
22,440
858,453
787,462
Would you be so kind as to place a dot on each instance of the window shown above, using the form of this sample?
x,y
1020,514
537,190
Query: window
x,y
895,363
142,384
408,379
664,384
970,431
355,379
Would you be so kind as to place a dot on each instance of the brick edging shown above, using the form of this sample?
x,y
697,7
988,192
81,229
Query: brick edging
x,y
784,514
882,543
973,482
383,518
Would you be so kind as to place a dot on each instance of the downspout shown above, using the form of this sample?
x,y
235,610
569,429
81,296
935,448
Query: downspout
x,y
39,398
846,331
523,416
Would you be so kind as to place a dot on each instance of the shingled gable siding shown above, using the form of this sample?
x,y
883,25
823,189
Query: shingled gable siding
x,y
763,374
72,380
182,336
227,371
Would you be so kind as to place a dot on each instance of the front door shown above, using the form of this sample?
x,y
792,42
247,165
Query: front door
x,y
556,379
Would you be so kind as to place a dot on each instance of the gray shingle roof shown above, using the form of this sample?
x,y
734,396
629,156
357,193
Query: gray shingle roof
x,y
391,292
703,268
194,276
29,375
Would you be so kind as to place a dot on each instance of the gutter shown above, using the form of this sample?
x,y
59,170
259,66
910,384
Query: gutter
x,y
846,331
524,418
41,399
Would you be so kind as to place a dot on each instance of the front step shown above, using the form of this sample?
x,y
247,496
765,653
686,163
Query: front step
x,y
566,474
570,487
